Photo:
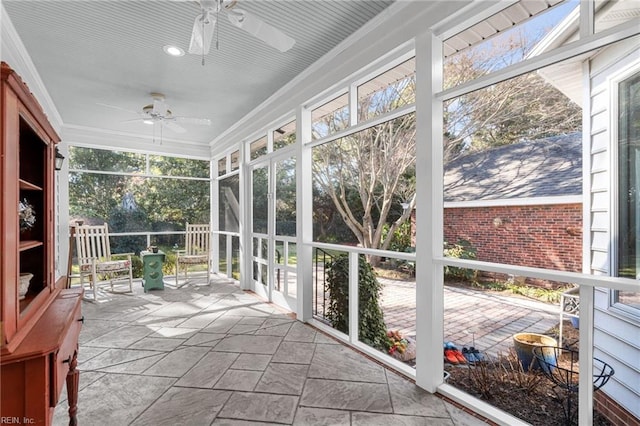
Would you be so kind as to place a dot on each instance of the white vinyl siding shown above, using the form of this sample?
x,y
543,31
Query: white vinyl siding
x,y
616,337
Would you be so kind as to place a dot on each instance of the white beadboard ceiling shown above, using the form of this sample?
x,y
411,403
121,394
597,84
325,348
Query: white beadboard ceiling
x,y
96,52
92,53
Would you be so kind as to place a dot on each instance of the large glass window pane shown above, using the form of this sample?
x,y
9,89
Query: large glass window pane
x,y
171,203
95,196
390,90
517,140
520,31
174,166
258,148
284,136
130,203
489,340
330,117
364,186
222,166
331,288
235,257
105,160
285,201
260,199
223,264
279,253
229,206
235,160
387,303
292,254
513,195
629,177
260,252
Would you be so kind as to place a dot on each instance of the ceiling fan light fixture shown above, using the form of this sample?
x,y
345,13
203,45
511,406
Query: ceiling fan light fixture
x,y
173,50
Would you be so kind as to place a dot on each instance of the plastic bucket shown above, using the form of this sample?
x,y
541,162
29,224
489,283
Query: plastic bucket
x,y
524,344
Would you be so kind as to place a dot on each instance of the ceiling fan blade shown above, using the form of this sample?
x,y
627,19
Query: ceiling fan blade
x,y
173,126
116,107
202,33
193,120
260,29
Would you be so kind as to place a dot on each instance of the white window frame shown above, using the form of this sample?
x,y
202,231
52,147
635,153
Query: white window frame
x,y
215,207
432,97
616,307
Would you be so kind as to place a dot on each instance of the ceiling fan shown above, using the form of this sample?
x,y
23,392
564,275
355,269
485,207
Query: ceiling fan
x,y
158,112
205,22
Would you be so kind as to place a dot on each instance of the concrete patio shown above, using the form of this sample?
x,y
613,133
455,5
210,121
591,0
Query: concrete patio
x,y
215,355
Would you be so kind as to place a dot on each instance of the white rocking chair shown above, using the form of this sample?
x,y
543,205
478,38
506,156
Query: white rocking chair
x,y
197,250
95,257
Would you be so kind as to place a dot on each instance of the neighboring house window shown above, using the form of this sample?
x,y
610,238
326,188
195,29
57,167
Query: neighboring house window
x,y
628,259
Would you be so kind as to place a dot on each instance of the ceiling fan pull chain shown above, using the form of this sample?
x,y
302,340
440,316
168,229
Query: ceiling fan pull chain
x,y
218,26
203,19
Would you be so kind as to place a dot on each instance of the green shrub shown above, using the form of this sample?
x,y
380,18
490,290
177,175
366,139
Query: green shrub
x,y
136,266
169,266
538,293
463,249
371,326
401,240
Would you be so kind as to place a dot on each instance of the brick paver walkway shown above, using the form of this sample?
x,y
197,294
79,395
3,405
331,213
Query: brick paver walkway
x,y
472,318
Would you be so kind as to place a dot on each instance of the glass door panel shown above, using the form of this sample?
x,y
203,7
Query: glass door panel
x,y
284,247
260,228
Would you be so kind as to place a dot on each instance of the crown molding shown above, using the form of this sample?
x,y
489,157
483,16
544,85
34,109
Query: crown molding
x,y
14,53
77,135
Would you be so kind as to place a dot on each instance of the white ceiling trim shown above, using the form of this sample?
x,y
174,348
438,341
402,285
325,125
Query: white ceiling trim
x,y
97,138
514,202
14,53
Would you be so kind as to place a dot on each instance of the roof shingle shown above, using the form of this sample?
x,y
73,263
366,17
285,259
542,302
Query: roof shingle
x,y
541,168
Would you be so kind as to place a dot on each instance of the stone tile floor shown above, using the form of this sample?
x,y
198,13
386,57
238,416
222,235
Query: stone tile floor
x,y
215,355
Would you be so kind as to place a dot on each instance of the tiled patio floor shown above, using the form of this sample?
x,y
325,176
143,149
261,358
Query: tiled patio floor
x,y
215,355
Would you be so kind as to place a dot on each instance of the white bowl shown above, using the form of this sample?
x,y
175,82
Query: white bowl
x,y
24,284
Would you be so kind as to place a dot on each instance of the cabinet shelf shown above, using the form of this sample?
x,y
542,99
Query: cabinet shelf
x,y
29,244
28,186
38,333
24,303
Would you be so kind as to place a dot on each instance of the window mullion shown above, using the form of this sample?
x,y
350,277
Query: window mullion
x,y
353,105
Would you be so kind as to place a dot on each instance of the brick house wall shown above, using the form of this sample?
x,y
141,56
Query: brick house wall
x,y
541,236
613,411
